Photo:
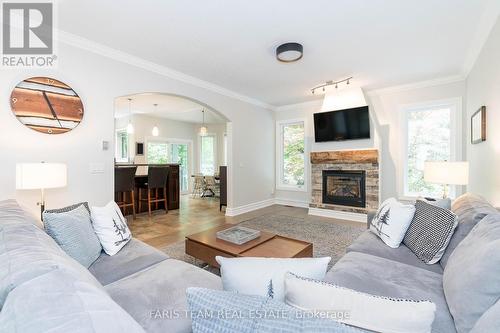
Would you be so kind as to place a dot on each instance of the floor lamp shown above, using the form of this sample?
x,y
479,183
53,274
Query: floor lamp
x,y
40,176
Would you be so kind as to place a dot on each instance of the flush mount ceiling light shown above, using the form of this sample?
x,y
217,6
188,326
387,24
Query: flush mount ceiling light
x,y
289,52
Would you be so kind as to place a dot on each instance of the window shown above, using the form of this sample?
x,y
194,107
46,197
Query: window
x,y
291,162
171,151
121,151
158,152
179,154
430,135
207,154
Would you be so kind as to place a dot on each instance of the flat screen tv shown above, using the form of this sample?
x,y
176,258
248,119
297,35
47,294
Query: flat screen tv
x,y
348,124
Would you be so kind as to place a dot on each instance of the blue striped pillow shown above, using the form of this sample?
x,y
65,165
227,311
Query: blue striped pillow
x,y
72,230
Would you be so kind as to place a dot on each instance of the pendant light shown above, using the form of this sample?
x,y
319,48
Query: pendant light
x,y
203,128
155,130
130,127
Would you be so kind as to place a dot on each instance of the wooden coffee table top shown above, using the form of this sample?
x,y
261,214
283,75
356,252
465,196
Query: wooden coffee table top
x,y
205,246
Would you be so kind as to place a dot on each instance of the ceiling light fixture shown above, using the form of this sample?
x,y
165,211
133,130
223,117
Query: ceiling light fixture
x,y
203,128
289,52
155,130
325,85
130,127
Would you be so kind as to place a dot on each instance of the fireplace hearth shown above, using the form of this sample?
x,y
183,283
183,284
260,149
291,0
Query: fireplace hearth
x,y
344,187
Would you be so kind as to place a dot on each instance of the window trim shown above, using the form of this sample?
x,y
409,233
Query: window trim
x,y
122,160
215,150
279,156
455,105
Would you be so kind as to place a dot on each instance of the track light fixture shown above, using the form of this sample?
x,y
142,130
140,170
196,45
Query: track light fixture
x,y
331,83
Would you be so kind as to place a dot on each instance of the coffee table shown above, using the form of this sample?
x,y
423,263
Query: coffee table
x,y
205,246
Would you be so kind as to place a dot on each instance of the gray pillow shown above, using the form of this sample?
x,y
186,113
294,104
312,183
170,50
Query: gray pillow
x,y
470,209
430,231
59,302
72,230
471,280
253,309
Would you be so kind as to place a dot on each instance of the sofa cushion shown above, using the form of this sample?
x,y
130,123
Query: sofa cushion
x,y
286,319
26,252
469,209
430,231
383,277
155,295
132,258
489,321
369,243
71,228
57,302
470,279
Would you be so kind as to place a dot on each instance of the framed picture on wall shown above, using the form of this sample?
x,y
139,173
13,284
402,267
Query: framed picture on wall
x,y
478,126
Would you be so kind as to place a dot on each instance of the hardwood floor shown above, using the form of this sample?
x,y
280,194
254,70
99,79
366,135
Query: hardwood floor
x,y
196,215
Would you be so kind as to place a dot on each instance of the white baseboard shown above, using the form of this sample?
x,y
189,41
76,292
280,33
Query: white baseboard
x,y
248,208
336,214
293,203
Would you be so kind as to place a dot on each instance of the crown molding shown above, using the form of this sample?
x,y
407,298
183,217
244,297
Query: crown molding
x,y
287,107
486,23
105,51
417,85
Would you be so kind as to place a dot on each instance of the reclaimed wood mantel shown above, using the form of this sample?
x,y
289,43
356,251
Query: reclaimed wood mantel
x,y
345,157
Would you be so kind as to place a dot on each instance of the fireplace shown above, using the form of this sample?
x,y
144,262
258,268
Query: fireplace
x,y
344,187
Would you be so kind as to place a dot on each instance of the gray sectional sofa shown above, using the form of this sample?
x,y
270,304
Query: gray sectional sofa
x,y
141,289
372,267
42,289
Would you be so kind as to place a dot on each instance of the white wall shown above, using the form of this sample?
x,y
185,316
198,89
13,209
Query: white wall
x,y
385,107
483,88
305,111
99,80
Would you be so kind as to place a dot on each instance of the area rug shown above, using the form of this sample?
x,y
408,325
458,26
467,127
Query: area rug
x,y
328,238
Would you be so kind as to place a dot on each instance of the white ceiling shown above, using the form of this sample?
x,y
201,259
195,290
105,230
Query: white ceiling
x,y
231,43
169,107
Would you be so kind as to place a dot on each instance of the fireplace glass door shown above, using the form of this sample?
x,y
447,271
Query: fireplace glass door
x,y
342,187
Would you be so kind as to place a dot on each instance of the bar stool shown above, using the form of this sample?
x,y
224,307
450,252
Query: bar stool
x,y
125,183
157,180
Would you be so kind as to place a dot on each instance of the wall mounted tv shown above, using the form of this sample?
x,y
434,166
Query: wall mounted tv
x,y
348,124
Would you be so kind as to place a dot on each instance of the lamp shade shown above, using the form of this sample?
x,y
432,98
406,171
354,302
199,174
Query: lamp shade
x,y
341,99
33,176
451,173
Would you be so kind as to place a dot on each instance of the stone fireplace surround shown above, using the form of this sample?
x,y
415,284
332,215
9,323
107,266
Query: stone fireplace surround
x,y
358,160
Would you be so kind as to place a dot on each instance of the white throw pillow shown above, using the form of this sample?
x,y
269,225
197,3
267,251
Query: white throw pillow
x,y
266,276
391,221
111,227
370,312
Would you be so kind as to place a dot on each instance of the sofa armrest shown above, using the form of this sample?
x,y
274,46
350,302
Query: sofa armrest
x,y
369,217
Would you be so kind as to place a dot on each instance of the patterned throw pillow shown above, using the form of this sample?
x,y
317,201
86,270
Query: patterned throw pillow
x,y
72,230
430,231
391,221
111,227
223,311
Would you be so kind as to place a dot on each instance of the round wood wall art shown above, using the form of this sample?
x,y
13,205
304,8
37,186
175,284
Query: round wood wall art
x,y
46,105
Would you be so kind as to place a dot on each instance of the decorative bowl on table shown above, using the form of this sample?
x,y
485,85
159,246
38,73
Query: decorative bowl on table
x,y
238,235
